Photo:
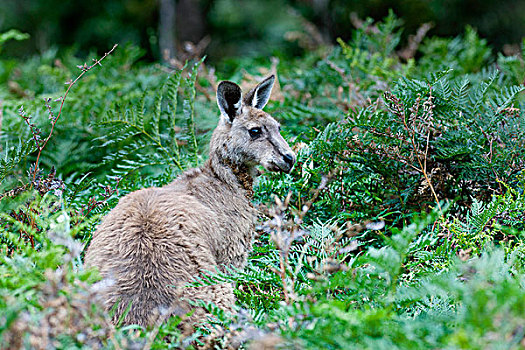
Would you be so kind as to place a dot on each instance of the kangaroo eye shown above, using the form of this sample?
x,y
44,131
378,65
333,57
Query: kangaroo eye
x,y
255,132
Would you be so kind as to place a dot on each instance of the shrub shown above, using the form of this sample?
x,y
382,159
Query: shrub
x,y
401,225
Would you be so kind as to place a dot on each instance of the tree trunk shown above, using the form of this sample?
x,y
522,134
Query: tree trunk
x,y
190,21
167,29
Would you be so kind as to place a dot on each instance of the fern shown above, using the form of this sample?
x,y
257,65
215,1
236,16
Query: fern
x,y
372,123
13,156
460,96
477,98
136,131
505,98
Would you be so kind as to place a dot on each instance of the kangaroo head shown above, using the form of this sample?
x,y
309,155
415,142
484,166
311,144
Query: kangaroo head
x,y
248,135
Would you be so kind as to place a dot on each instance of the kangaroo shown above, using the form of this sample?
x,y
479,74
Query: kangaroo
x,y
157,239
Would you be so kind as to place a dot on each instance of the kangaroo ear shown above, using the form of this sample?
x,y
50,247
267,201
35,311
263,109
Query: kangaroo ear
x,y
229,98
258,97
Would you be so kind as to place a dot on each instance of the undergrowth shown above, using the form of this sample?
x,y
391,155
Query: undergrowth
x,y
402,224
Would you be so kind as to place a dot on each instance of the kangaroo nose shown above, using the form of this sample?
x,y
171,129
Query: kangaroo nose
x,y
289,159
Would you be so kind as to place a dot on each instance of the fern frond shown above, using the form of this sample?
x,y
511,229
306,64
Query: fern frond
x,y
477,98
504,99
460,94
13,155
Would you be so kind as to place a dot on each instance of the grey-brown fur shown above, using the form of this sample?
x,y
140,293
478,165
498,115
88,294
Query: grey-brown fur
x,y
157,239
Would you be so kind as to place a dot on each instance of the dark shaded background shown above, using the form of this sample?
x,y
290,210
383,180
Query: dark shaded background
x,y
245,27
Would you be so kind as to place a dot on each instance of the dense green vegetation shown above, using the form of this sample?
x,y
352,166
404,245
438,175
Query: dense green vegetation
x,y
246,28
402,224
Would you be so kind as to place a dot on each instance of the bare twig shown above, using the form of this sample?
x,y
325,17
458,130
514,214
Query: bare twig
x,y
414,41
284,232
488,157
94,203
422,166
85,68
413,130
